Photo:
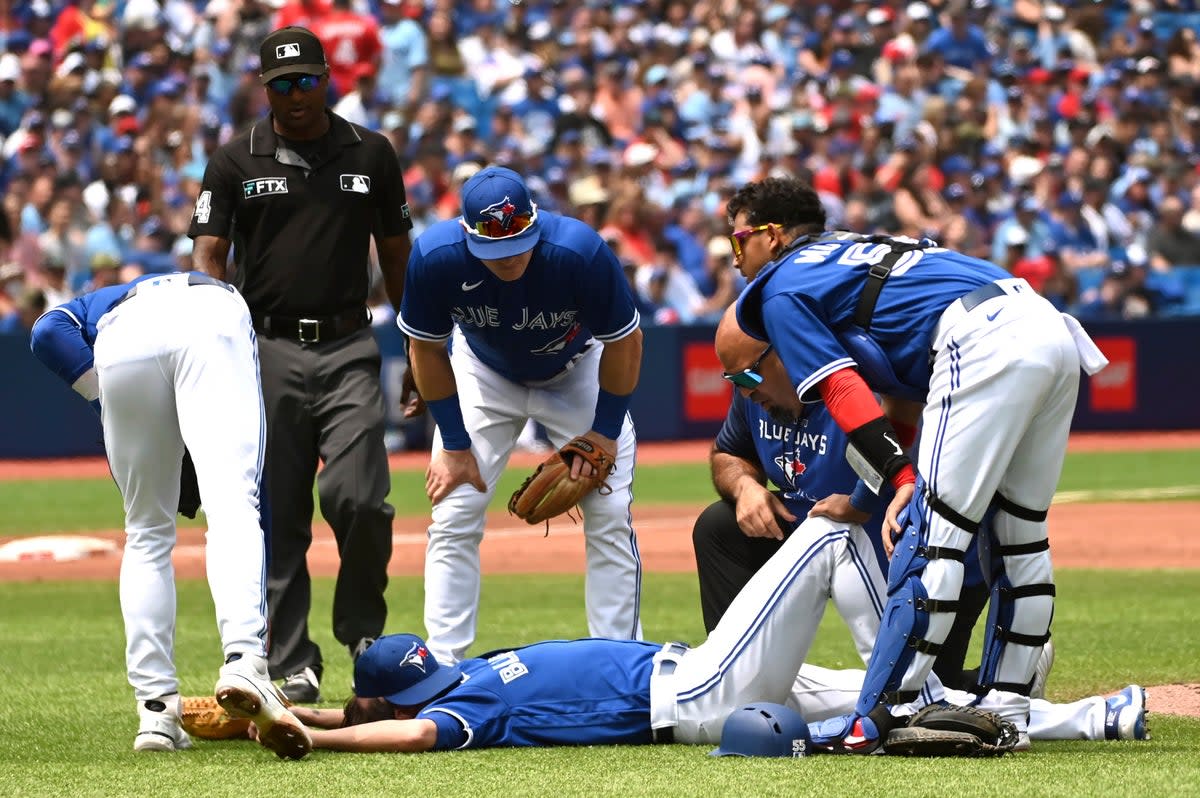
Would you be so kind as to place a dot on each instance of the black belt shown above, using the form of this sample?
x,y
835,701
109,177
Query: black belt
x,y
980,295
193,278
311,330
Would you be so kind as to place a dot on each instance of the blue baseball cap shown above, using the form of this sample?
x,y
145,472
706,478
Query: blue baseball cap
x,y
492,202
401,669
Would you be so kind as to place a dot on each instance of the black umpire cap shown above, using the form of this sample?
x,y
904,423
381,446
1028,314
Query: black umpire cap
x,y
290,51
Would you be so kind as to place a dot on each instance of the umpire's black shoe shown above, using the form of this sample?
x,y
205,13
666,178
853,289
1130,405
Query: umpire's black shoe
x,y
303,687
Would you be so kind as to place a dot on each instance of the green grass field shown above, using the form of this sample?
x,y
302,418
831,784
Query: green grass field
x,y
38,506
67,716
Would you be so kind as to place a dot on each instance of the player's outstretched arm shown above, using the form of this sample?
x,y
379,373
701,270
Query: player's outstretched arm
x,y
318,718
382,736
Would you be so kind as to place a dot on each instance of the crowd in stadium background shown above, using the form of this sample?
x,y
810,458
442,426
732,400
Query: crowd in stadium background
x,y
1059,139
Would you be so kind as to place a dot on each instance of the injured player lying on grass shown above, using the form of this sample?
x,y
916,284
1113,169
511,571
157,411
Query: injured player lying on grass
x,y
378,724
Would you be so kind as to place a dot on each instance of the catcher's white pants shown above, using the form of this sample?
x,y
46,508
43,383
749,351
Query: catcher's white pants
x,y
997,417
178,364
755,651
821,693
495,411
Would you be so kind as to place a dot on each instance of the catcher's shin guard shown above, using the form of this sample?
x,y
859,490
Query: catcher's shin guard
x,y
1022,604
923,582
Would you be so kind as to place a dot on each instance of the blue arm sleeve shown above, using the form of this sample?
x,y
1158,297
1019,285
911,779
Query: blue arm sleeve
x,y
57,340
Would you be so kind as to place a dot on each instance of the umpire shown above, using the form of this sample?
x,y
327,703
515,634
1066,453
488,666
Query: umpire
x,y
301,194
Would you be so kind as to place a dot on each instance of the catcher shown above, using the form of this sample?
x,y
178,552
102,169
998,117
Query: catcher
x,y
514,313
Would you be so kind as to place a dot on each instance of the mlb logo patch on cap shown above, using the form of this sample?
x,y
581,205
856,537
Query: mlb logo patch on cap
x,y
291,51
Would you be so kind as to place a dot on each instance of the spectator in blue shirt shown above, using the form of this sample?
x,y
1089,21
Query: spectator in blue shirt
x,y
405,55
1072,238
962,45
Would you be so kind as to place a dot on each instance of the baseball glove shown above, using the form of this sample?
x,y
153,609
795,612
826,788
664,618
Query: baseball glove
x,y
550,491
953,731
203,717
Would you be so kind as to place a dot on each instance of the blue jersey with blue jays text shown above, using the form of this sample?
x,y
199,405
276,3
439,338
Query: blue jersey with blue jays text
x,y
805,460
65,335
800,301
528,329
557,692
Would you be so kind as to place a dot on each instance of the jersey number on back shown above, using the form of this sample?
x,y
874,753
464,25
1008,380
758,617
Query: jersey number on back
x,y
860,254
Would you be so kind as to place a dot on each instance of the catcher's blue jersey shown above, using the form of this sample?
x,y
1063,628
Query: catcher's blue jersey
x,y
805,460
557,692
801,300
526,329
64,341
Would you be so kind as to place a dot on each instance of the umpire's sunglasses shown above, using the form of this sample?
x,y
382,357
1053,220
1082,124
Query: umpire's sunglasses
x,y
749,378
304,83
505,227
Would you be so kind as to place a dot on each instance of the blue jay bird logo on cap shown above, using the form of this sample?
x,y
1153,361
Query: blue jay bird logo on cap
x,y
502,211
415,656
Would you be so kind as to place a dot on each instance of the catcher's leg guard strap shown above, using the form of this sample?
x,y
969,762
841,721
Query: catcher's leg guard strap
x,y
1012,508
1022,599
1000,635
947,512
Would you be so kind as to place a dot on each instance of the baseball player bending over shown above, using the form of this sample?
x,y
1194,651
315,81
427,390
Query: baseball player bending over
x,y
516,313
168,361
999,392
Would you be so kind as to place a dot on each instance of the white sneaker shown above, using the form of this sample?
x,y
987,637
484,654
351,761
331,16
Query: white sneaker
x,y
158,726
245,691
1125,715
1044,663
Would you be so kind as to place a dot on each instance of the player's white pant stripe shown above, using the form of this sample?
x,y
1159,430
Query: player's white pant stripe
x,y
943,428
868,583
634,631
768,607
260,476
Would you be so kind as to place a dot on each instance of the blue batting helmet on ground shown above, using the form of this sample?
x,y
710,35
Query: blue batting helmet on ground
x,y
764,729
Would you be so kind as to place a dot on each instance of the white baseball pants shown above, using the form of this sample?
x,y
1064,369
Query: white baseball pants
x,y
495,411
176,365
821,693
760,644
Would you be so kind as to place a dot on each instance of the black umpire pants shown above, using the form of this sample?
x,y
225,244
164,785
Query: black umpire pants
x,y
324,402
726,559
